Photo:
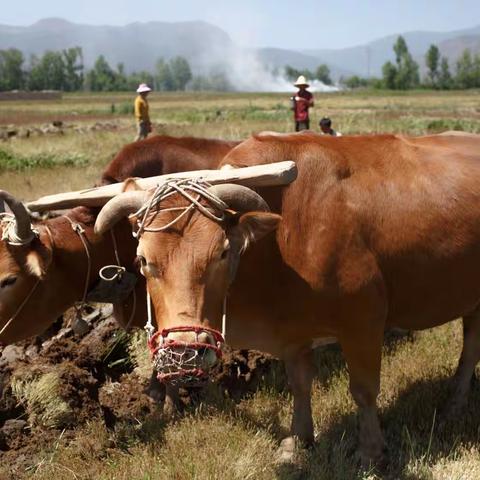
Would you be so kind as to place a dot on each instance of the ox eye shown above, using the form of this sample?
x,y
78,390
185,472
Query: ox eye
x,y
7,282
141,261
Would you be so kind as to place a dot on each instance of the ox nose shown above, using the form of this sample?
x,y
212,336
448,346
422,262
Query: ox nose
x,y
191,337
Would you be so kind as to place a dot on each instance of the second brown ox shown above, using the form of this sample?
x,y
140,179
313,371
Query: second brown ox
x,y
376,232
46,272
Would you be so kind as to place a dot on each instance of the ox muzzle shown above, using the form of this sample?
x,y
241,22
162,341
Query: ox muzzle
x,y
184,355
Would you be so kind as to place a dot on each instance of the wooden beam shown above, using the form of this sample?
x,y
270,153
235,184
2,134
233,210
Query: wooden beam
x,y
272,174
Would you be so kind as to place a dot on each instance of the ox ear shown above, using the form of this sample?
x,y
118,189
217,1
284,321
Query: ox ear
x,y
39,256
253,226
130,184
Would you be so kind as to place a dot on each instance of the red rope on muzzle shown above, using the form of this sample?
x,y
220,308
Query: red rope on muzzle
x,y
180,362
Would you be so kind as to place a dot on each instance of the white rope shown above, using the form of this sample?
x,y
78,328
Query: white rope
x,y
8,223
149,328
119,271
184,187
19,309
224,318
79,230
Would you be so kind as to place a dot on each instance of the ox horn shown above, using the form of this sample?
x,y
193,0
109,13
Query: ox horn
x,y
23,226
240,198
117,208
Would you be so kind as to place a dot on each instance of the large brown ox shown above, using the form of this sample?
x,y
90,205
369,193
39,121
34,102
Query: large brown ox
x,y
376,232
42,278
164,154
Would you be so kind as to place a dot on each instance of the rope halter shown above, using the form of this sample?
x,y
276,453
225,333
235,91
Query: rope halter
x,y
181,362
8,222
192,190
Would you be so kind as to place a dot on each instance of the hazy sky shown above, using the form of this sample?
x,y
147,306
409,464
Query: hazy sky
x,y
300,24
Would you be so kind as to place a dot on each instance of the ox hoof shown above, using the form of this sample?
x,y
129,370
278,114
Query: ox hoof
x,y
288,448
369,459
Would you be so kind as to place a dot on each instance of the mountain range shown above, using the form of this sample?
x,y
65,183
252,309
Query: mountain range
x,y
206,46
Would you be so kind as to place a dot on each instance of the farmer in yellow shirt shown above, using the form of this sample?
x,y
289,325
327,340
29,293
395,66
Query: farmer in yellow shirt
x,y
144,127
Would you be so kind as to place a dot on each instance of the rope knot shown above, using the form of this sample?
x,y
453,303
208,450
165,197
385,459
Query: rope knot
x,y
8,223
192,190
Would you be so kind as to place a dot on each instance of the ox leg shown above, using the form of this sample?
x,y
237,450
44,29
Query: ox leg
x,y
156,390
469,358
173,405
300,372
363,351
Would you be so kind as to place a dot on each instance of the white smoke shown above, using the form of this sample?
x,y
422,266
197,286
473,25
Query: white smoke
x,y
246,72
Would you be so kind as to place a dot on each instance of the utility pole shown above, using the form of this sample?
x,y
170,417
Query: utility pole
x,y
368,52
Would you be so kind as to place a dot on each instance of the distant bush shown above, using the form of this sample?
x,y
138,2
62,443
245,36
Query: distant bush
x,y
125,108
9,161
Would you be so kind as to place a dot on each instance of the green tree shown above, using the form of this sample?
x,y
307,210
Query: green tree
x,y
181,72
444,76
355,82
408,75
476,70
163,76
292,73
121,81
465,77
136,78
323,74
11,69
432,60
73,59
101,78
48,73
405,74
389,73
401,50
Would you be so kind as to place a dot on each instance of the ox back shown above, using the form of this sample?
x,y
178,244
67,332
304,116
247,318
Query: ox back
x,y
163,154
398,215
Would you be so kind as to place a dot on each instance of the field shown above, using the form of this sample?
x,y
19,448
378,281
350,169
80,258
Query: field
x,y
235,437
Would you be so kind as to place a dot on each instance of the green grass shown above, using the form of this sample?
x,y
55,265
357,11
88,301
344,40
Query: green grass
x,y
10,161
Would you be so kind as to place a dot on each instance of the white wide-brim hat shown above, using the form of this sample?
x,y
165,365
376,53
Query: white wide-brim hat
x,y
143,87
301,81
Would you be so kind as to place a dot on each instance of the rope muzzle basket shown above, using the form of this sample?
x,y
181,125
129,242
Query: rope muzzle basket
x,y
181,362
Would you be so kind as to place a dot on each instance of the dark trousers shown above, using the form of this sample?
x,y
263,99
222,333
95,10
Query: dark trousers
x,y
305,125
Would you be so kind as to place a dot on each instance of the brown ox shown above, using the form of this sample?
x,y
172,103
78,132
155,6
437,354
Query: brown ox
x,y
163,154
47,273
56,258
376,232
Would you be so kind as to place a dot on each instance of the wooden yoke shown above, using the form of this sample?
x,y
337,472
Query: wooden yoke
x,y
273,174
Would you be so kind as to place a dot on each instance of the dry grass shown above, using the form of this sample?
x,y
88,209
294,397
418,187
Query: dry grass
x,y
220,441
39,393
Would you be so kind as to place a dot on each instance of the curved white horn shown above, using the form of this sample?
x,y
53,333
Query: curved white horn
x,y
23,228
117,208
239,198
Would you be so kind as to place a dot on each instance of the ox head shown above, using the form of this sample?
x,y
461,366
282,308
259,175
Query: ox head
x,y
189,262
24,260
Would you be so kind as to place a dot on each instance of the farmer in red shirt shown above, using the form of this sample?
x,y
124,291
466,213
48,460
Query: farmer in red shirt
x,y
302,101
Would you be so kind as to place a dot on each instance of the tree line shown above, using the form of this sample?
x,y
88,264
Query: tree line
x,y
322,73
64,70
404,73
